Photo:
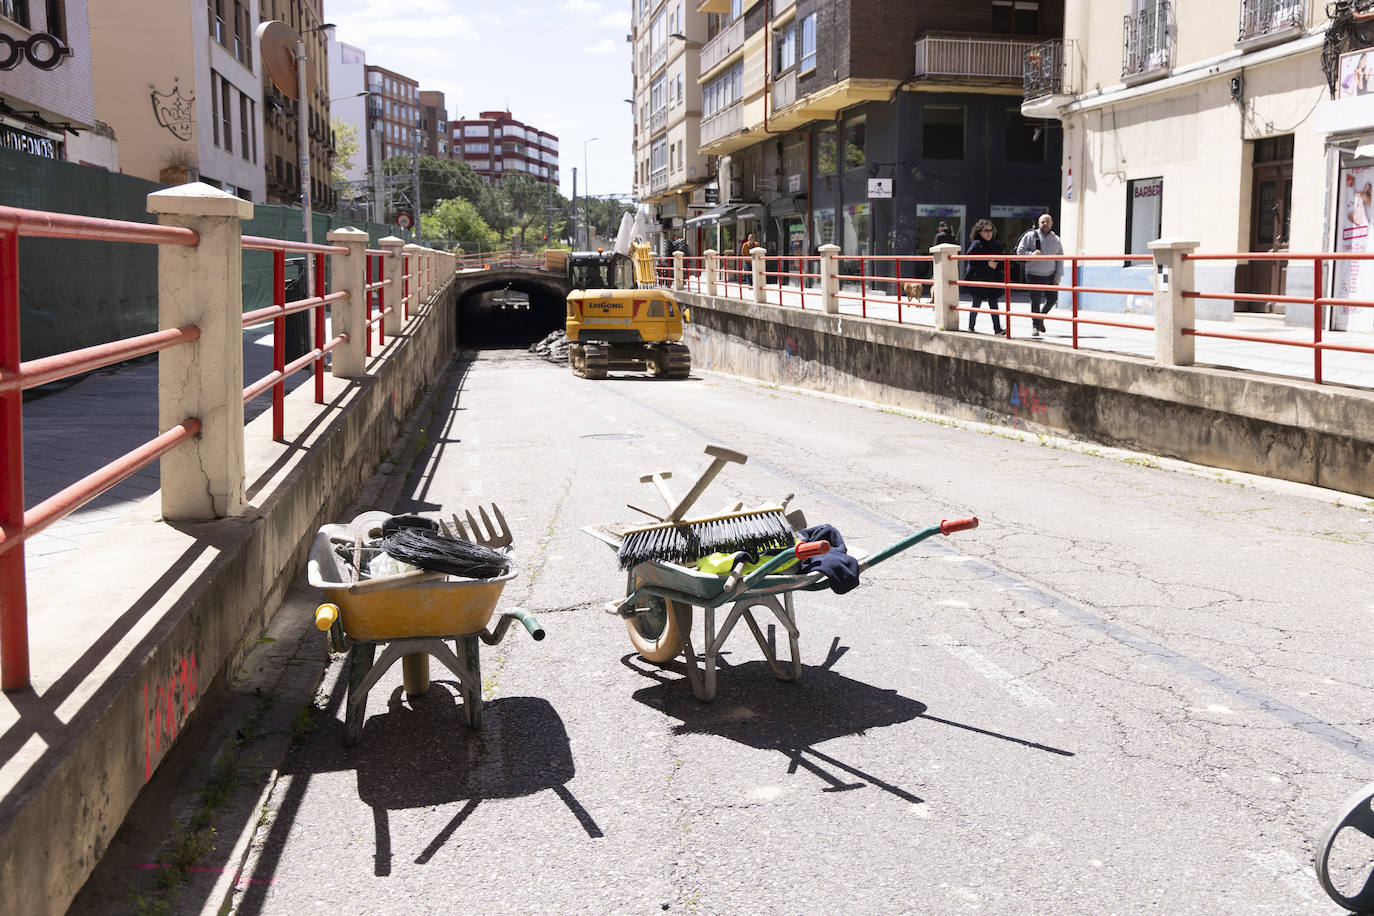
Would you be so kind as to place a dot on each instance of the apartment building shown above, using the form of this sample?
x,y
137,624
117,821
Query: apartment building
x,y
192,111
864,123
47,99
393,111
348,104
666,105
280,149
435,138
494,143
1241,125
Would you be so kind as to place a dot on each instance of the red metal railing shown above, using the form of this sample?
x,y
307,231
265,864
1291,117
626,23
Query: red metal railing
x,y
1318,302
376,285
1075,317
17,525
277,312
868,275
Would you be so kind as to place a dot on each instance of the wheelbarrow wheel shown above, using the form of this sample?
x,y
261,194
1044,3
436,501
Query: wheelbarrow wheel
x,y
359,663
1344,850
472,699
654,633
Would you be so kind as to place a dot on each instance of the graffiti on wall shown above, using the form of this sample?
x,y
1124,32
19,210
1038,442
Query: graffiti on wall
x,y
165,707
174,111
1024,402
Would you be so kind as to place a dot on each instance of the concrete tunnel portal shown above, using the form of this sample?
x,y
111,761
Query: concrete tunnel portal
x,y
509,311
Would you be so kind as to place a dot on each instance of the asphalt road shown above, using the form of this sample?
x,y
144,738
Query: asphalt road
x,y
1131,689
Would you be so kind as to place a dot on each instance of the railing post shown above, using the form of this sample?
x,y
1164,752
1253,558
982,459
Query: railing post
x,y
350,315
417,297
203,477
1174,312
757,253
14,613
944,291
830,284
392,292
712,266
678,258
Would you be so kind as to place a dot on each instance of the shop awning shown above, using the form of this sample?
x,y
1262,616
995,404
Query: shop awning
x,y
718,215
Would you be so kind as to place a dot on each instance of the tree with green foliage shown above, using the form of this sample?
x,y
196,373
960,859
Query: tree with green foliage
x,y
528,202
457,220
345,148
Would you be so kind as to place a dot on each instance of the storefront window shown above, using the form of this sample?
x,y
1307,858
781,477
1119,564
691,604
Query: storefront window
x,y
825,152
855,144
824,221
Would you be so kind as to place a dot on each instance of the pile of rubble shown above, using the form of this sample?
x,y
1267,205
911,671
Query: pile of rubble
x,y
553,348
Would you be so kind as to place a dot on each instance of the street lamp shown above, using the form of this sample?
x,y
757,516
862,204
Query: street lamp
x,y
586,186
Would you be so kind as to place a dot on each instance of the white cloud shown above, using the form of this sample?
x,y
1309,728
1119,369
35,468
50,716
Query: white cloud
x,y
604,46
583,7
616,20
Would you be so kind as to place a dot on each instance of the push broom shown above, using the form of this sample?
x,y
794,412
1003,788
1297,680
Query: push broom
x,y
676,539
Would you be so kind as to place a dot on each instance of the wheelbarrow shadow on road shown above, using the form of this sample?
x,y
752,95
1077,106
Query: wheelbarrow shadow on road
x,y
792,717
421,753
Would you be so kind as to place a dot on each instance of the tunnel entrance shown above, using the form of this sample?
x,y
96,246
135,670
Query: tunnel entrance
x,y
509,317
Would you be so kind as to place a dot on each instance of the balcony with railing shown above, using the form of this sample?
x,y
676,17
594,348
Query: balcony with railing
x,y
1265,21
658,120
1049,78
1147,48
722,46
658,180
963,56
722,124
782,6
658,58
785,90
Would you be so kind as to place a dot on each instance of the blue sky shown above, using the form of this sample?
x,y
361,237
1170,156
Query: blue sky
x,y
559,65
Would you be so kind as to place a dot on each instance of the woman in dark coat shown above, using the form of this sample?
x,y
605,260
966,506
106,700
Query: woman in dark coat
x,y
983,241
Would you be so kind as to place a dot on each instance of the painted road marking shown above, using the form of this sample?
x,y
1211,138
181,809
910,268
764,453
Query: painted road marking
x,y
990,670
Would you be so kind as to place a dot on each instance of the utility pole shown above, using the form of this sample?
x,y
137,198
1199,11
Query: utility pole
x,y
415,188
548,214
379,199
574,235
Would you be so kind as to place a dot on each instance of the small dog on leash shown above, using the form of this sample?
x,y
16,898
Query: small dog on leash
x,y
913,291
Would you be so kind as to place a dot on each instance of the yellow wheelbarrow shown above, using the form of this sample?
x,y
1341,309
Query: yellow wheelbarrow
x,y
411,613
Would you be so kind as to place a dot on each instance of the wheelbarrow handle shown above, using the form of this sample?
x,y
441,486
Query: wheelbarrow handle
x,y
958,524
738,582
945,527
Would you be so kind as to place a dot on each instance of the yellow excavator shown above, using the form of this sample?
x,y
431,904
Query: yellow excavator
x,y
619,318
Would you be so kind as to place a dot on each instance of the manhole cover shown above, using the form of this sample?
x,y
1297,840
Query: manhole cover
x,y
615,436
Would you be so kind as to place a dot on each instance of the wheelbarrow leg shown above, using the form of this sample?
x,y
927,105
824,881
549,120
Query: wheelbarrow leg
x,y
359,663
704,688
785,614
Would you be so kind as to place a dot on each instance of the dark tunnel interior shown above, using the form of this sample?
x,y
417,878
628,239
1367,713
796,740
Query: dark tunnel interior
x,y
512,317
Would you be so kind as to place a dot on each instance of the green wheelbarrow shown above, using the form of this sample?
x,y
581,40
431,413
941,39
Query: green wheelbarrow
x,y
660,597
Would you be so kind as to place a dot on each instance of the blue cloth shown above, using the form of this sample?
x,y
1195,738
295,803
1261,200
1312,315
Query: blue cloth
x,y
838,567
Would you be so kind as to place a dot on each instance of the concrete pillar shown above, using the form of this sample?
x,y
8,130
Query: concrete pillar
x,y
349,316
712,267
830,284
678,258
757,253
945,295
416,286
203,477
391,296
1173,312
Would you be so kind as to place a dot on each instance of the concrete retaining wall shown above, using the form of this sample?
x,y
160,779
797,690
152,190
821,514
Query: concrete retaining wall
x,y
128,641
1282,428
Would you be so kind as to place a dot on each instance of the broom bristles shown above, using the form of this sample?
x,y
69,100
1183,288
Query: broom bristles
x,y
686,542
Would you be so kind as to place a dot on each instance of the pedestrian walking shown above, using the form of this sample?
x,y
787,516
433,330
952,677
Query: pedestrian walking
x,y
1041,240
983,242
746,249
944,235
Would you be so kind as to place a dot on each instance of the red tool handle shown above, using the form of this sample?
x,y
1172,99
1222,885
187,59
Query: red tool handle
x,y
958,524
811,549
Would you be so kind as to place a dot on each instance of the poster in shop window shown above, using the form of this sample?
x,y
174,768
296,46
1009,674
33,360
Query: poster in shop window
x,y
1354,279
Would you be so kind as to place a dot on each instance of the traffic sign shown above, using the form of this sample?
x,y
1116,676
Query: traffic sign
x,y
403,220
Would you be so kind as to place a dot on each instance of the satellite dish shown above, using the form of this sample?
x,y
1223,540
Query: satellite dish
x,y
277,51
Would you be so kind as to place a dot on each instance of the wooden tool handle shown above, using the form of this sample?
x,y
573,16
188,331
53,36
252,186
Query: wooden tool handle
x,y
719,458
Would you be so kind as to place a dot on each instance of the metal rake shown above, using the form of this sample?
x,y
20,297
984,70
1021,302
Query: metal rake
x,y
487,534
